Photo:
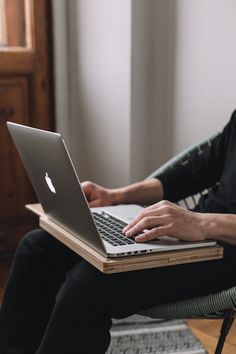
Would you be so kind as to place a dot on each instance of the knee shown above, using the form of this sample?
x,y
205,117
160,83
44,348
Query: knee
x,y
34,245
84,285
33,240
41,241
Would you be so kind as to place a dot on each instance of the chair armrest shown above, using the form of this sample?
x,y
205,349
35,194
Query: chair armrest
x,y
209,306
183,156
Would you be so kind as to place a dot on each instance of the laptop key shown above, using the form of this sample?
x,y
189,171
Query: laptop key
x,y
111,228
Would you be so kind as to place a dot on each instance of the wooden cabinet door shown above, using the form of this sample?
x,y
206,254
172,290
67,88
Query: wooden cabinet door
x,y
25,97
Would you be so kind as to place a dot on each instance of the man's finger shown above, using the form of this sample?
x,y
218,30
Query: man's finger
x,y
95,203
141,216
152,234
145,223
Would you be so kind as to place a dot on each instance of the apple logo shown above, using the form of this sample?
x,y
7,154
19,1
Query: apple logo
x,y
49,183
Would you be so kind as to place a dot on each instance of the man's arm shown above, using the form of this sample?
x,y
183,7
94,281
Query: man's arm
x,y
201,169
221,227
143,192
163,218
166,218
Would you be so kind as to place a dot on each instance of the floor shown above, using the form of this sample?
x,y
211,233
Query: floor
x,y
206,330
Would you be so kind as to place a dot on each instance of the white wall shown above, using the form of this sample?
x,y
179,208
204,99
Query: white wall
x,y
100,81
194,61
205,67
143,80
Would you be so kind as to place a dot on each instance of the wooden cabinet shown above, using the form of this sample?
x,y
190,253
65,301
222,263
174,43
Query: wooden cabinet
x,y
26,97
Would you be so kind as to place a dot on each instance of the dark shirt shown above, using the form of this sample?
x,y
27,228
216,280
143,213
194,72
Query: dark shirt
x,y
215,167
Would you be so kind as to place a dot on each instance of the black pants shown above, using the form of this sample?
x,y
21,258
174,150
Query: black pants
x,y
57,303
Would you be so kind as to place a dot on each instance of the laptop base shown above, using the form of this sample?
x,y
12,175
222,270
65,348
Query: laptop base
x,y
124,264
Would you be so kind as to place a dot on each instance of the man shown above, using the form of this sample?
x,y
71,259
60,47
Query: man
x,y
56,302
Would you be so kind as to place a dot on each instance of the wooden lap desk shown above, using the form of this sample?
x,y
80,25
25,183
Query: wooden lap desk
x,y
124,264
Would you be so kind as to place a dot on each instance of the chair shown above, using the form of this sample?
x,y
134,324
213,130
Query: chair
x,y
221,305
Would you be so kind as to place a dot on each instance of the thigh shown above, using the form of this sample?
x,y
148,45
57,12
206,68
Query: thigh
x,y
38,270
126,293
149,288
89,299
38,248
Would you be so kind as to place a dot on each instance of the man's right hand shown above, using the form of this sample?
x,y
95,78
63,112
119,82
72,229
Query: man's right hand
x,y
98,196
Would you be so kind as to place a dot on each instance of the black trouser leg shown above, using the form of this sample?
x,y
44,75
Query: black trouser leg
x,y
79,322
38,270
57,303
88,299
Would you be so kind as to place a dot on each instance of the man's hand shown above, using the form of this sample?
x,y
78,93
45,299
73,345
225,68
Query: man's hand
x,y
143,192
167,219
98,196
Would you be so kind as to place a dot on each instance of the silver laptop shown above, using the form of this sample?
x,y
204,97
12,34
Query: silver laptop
x,y
55,181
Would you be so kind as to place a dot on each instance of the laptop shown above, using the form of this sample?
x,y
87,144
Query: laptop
x,y
47,161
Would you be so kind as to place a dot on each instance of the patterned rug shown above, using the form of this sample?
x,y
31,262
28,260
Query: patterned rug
x,y
142,335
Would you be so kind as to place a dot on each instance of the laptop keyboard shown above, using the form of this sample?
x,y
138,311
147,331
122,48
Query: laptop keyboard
x,y
110,229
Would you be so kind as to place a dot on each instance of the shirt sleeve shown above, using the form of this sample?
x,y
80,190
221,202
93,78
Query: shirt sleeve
x,y
200,171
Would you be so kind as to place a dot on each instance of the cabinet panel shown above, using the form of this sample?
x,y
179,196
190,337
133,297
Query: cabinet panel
x,y
15,188
26,97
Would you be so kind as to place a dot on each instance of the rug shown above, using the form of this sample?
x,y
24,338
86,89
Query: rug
x,y
142,335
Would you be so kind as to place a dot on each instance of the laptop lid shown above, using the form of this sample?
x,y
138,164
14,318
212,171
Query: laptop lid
x,y
50,169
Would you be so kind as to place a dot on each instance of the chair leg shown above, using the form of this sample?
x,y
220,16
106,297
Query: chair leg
x,y
226,325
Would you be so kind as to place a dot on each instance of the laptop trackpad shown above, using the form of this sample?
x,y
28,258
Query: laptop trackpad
x,y
125,212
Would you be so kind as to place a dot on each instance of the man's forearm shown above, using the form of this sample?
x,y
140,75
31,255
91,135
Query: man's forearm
x,y
144,192
221,227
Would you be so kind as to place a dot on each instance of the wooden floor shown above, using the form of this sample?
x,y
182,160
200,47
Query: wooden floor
x,y
206,330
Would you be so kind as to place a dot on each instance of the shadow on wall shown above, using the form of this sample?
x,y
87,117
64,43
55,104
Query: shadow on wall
x,y
164,33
